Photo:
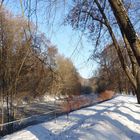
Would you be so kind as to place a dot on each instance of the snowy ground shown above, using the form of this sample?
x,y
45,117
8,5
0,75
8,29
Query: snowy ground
x,y
117,119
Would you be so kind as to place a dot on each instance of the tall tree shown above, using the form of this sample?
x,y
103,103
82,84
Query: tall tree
x,y
126,26
83,16
129,32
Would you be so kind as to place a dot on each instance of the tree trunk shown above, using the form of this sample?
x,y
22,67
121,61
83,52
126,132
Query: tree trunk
x,y
138,87
127,27
117,47
2,111
7,108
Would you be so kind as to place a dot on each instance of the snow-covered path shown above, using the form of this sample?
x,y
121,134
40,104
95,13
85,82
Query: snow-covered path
x,y
117,119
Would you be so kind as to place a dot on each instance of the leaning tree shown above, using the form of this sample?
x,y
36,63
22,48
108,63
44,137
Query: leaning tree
x,y
95,18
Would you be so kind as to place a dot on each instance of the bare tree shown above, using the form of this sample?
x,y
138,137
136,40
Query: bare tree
x,y
126,26
83,16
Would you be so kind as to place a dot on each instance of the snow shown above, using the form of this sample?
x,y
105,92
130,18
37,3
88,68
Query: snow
x,y
116,119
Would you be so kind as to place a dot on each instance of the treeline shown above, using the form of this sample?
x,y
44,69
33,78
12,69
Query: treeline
x,y
30,66
110,74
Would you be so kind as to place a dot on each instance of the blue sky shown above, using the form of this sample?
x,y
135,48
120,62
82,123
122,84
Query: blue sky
x,y
64,37
73,45
70,43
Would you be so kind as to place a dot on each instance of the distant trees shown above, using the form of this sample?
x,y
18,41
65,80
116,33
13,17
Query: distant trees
x,y
110,74
68,83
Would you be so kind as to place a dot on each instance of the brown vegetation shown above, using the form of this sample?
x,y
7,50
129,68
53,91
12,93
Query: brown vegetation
x,y
30,66
106,95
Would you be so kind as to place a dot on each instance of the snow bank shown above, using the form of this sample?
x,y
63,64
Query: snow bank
x,y
117,119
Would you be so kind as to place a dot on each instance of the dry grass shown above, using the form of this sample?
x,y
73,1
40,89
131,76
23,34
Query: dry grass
x,y
107,94
71,104
74,104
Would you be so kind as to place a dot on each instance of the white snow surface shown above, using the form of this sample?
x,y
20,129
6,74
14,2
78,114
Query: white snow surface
x,y
116,119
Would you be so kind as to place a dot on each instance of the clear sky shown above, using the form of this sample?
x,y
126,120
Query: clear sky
x,y
73,45
70,43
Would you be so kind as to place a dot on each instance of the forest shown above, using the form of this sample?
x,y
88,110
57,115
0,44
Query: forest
x,y
33,67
